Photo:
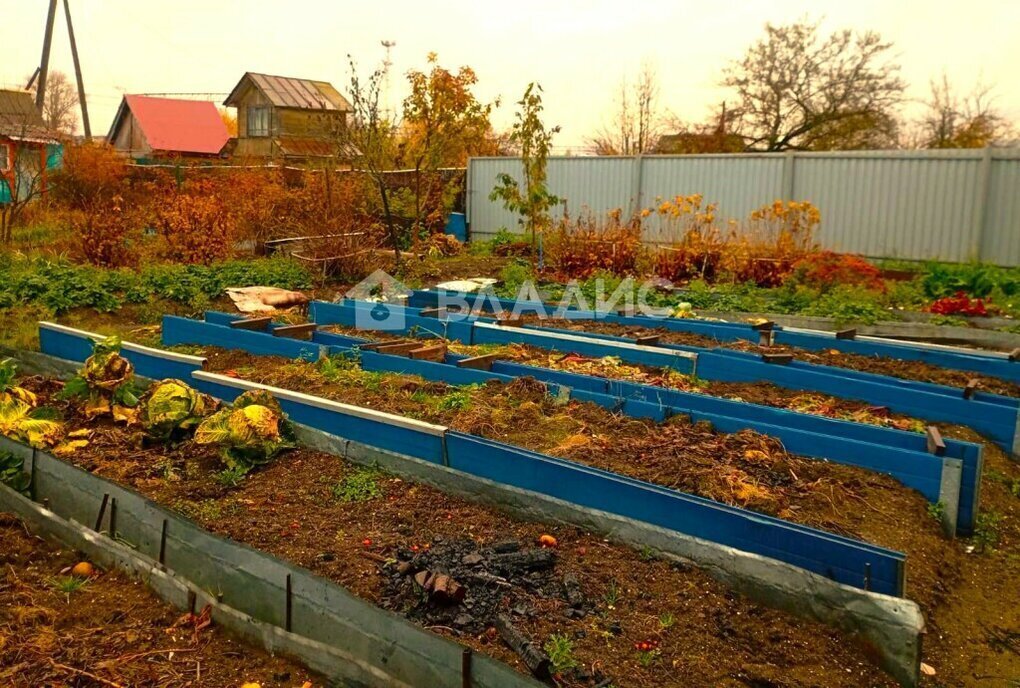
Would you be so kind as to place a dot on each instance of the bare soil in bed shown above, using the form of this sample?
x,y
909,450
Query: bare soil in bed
x,y
696,631
111,631
881,365
745,469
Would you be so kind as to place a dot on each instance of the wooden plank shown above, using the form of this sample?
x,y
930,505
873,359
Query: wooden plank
x,y
936,445
396,348
435,353
1014,355
766,337
846,334
778,359
510,322
251,323
483,362
432,312
295,331
764,326
650,340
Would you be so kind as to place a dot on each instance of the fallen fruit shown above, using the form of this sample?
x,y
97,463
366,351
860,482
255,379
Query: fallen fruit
x,y
547,541
366,542
927,669
83,569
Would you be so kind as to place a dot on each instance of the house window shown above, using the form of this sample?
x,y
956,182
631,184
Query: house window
x,y
5,157
258,121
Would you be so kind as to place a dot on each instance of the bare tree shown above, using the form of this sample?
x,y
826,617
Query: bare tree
x,y
22,170
799,90
367,138
60,109
637,121
954,121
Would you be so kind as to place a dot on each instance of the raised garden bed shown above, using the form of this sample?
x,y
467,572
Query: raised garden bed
x,y
632,619
907,370
106,629
745,469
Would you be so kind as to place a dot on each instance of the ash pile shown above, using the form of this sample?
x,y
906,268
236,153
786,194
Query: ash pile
x,y
457,584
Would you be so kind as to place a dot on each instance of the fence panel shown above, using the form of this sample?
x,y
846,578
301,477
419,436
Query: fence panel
x,y
953,205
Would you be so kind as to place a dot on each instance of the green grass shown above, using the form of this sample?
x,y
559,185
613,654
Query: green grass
x,y
68,585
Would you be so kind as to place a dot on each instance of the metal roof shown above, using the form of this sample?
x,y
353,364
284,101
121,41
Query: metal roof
x,y
170,124
288,92
20,120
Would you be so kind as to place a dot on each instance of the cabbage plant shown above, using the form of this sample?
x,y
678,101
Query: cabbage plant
x,y
251,433
172,408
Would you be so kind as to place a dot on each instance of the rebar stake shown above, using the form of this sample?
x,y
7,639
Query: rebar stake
x,y
102,511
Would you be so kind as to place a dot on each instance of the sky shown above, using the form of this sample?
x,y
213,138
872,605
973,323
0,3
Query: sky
x,y
578,51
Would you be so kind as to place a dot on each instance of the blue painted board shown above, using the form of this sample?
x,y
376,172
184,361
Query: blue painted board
x,y
976,361
839,558
375,433
72,347
186,331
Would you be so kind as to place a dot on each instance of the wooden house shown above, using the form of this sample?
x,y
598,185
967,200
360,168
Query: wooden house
x,y
148,128
286,118
28,150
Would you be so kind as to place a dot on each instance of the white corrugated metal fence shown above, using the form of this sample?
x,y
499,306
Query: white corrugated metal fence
x,y
955,205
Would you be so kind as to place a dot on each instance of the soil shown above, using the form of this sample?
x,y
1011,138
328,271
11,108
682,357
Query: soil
x,y
881,365
744,469
696,631
111,631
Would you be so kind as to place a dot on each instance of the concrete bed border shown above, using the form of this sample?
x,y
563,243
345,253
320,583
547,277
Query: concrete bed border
x,y
890,628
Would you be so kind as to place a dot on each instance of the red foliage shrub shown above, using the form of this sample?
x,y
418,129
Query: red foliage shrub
x,y
194,228
91,174
580,248
824,269
103,231
960,304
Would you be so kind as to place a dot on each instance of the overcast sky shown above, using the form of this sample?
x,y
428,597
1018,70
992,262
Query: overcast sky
x,y
577,50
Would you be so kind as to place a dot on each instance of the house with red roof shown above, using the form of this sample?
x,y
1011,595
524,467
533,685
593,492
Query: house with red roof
x,y
147,127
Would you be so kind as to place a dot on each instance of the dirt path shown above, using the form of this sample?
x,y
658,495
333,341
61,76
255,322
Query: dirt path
x,y
56,632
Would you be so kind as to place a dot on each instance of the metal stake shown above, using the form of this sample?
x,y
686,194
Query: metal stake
x,y
162,544
465,668
113,518
867,576
102,511
290,605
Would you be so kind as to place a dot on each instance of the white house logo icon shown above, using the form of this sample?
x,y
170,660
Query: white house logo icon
x,y
389,296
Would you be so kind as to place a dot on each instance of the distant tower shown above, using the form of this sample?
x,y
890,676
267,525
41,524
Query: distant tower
x,y
387,63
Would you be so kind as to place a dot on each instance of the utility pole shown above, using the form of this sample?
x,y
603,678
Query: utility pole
x,y
77,74
387,63
44,65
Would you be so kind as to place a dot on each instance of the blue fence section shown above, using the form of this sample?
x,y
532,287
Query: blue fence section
x,y
900,454
996,365
833,556
848,561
